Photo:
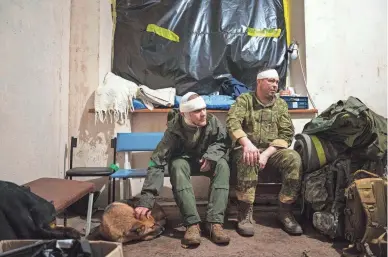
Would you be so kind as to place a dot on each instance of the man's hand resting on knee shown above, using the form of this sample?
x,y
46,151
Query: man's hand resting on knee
x,y
264,156
140,211
251,154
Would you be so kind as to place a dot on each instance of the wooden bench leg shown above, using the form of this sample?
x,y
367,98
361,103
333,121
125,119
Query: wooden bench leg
x,y
122,183
89,215
113,189
65,218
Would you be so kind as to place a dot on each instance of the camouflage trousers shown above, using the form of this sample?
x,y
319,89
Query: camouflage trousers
x,y
287,161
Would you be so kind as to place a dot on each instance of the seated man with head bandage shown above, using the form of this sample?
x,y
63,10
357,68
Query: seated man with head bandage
x,y
195,142
260,126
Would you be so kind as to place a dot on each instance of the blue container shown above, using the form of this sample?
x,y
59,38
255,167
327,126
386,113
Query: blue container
x,y
296,102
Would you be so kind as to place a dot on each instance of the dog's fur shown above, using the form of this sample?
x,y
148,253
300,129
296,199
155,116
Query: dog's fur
x,y
119,223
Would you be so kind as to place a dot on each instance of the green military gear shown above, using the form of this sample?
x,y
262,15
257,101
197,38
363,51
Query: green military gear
x,y
285,216
192,236
315,152
245,219
180,171
346,137
217,233
352,125
179,152
287,161
264,125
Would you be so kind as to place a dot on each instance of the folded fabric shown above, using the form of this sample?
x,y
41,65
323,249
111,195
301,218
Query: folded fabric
x,y
159,97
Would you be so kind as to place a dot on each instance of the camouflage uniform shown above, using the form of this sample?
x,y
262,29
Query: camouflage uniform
x,y
179,152
264,125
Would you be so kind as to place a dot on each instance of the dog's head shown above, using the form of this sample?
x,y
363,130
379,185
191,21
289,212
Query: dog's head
x,y
143,231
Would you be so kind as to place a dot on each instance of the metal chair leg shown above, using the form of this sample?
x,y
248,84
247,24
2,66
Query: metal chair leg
x,y
113,190
89,215
109,190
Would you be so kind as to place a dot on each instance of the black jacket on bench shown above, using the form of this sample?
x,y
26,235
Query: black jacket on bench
x,y
24,215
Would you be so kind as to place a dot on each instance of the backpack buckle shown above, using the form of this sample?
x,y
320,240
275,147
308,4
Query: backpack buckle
x,y
371,208
350,195
348,211
349,236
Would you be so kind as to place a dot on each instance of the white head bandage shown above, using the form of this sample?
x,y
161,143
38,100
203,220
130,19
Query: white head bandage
x,y
192,105
268,74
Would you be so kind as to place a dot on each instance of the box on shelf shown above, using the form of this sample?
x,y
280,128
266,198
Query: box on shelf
x,y
296,102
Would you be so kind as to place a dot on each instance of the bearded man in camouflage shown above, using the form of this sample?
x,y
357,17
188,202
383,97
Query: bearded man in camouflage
x,y
194,142
261,128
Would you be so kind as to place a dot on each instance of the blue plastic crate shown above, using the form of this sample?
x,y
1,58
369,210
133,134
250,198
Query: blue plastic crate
x,y
296,102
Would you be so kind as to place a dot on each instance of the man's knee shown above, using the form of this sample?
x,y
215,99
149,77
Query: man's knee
x,y
290,159
178,166
223,168
221,177
180,174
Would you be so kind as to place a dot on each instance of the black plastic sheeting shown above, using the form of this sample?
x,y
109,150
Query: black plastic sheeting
x,y
213,43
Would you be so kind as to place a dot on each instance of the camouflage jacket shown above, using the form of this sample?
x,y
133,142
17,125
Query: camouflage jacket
x,y
211,143
264,125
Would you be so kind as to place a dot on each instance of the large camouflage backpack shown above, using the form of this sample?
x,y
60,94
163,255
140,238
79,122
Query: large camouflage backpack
x,y
366,215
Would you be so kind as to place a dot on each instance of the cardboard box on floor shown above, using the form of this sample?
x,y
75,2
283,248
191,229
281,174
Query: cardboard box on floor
x,y
99,248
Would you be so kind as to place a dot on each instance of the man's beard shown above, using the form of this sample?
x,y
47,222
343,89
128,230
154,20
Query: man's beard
x,y
189,122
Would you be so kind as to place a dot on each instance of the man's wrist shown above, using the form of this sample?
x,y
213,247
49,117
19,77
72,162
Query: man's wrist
x,y
269,151
244,141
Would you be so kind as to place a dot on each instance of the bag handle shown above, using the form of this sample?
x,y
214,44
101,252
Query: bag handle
x,y
365,172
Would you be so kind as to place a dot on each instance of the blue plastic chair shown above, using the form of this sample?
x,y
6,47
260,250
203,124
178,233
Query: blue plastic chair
x,y
134,142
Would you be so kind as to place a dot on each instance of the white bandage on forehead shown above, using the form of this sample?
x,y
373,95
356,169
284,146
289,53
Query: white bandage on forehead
x,y
192,105
268,74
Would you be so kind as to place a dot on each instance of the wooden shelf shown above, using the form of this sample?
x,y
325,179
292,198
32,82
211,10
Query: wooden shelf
x,y
166,110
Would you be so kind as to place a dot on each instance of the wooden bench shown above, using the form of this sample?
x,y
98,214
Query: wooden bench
x,y
147,141
62,193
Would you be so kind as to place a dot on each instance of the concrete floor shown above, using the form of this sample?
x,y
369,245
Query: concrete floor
x,y
269,239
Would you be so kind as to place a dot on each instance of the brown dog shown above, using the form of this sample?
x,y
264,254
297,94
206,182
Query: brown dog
x,y
119,224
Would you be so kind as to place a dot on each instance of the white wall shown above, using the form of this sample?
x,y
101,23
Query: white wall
x,y
346,51
90,60
34,74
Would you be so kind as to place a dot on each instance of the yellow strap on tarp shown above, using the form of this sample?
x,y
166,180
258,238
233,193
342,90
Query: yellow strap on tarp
x,y
319,148
263,32
166,33
286,9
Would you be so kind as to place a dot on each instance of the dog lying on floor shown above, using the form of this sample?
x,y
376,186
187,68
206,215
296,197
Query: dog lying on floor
x,y
119,224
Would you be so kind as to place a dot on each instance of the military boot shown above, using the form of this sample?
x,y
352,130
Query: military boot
x,y
217,233
192,236
245,219
285,216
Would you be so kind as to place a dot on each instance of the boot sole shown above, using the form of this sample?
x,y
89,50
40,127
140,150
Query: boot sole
x,y
292,233
220,242
187,244
245,234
